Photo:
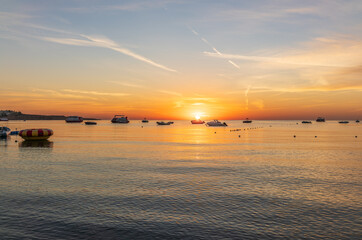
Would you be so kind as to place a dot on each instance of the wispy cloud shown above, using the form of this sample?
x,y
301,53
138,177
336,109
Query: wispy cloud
x,y
127,84
321,52
170,93
130,6
213,48
70,38
95,93
90,41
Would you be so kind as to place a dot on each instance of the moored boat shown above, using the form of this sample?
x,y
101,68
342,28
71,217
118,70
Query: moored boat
x,y
343,122
216,123
320,119
247,121
90,123
306,122
4,119
74,119
4,132
120,119
357,121
144,120
197,121
164,123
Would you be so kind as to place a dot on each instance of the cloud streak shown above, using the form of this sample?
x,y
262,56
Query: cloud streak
x,y
213,48
320,52
89,41
75,39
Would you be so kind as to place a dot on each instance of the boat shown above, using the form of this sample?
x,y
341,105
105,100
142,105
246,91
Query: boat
x,y
216,123
343,122
320,119
90,123
306,122
145,120
74,119
120,119
357,121
35,134
164,123
247,121
4,132
197,121
4,119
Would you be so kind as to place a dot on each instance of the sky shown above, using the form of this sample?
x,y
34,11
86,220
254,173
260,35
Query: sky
x,y
174,59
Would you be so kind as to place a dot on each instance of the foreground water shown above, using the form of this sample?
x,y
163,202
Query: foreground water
x,y
183,181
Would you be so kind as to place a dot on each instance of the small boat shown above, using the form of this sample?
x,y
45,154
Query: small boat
x,y
74,119
36,134
4,119
306,122
247,121
197,121
164,123
216,123
343,122
145,120
4,132
14,133
120,119
320,119
357,121
90,123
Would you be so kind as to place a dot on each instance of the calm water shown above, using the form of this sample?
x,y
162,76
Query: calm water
x,y
183,181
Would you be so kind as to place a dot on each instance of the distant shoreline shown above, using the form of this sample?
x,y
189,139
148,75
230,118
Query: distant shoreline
x,y
21,116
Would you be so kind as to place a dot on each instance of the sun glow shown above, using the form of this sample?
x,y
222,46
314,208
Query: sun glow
x,y
197,116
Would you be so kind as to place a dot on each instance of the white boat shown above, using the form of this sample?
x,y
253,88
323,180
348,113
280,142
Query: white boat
x,y
4,132
216,123
74,119
4,119
164,123
120,119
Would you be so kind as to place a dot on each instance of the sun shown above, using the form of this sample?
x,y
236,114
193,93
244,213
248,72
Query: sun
x,y
197,116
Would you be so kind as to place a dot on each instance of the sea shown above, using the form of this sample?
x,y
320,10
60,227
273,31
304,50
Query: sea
x,y
262,180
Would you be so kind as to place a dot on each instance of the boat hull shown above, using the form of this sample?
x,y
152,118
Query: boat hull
x,y
197,122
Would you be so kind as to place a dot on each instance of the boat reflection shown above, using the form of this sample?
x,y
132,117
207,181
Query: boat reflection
x,y
36,144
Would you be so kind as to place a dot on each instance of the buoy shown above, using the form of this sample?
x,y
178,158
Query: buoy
x,y
36,134
214,132
355,136
294,136
315,136
239,135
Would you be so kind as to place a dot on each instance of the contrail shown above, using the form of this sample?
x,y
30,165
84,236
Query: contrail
x,y
213,48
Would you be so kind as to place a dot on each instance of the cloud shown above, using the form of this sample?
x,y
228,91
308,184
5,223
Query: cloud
x,y
71,38
213,48
126,84
96,93
170,93
103,42
320,52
